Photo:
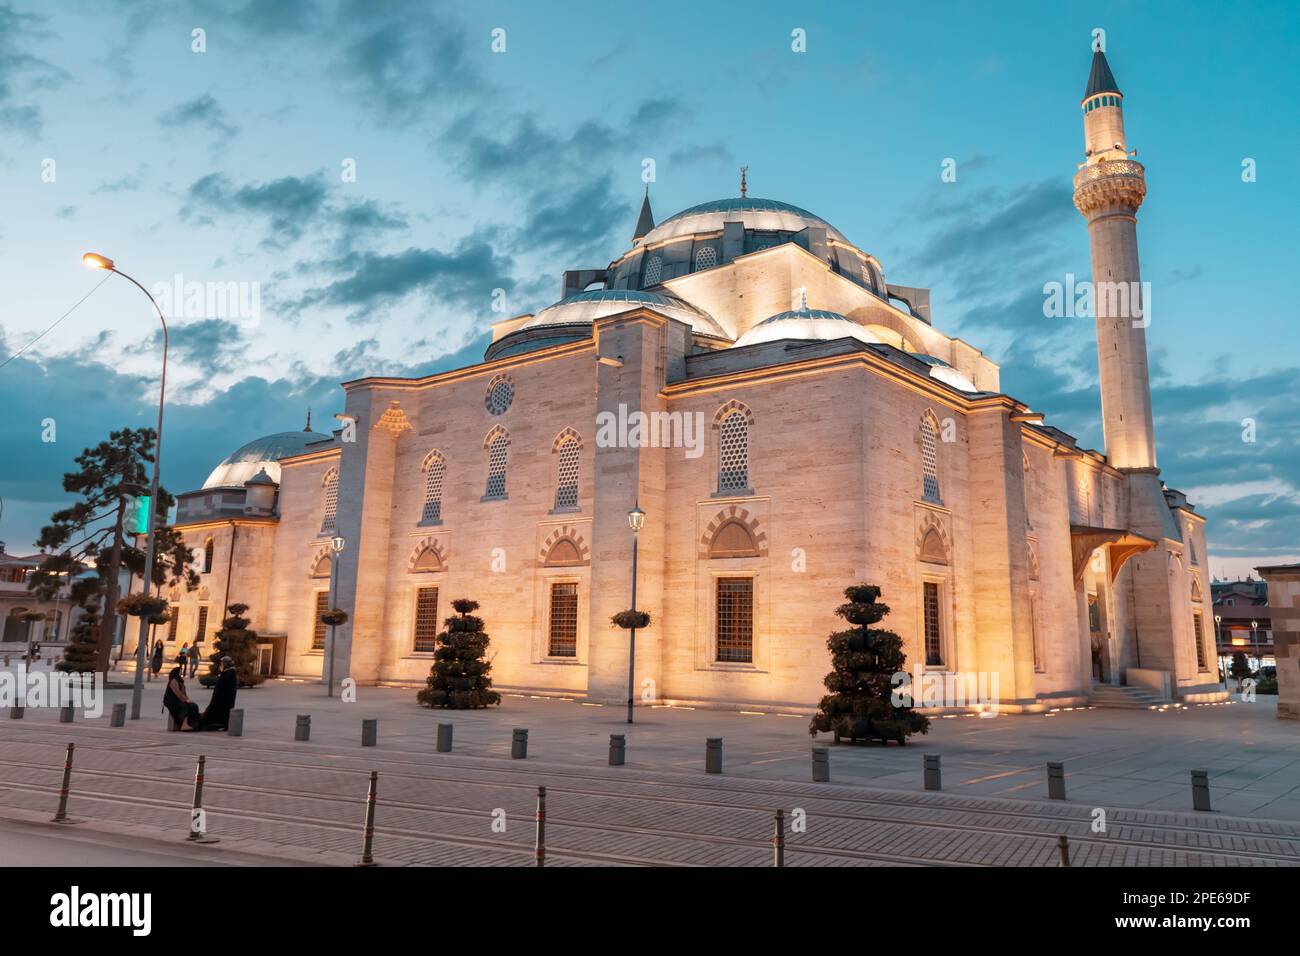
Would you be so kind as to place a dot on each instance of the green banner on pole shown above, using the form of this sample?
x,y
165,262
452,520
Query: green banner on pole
x,y
142,514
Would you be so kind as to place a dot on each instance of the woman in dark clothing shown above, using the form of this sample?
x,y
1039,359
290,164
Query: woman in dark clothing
x,y
217,716
185,713
157,657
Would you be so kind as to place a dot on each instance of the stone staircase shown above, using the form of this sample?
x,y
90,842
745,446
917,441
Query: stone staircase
x,y
1128,698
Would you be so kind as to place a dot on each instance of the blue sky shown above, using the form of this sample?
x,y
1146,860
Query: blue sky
x,y
478,171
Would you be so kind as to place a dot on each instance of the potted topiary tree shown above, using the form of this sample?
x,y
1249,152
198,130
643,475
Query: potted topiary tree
x,y
237,641
864,660
459,676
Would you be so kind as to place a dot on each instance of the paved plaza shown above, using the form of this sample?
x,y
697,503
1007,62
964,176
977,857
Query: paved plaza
x,y
269,798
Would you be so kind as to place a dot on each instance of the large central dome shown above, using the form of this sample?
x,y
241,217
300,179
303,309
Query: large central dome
x,y
758,214
263,454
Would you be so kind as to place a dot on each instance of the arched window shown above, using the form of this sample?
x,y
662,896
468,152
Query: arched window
x,y
498,446
208,548
434,466
653,269
930,458
566,476
330,486
706,257
733,453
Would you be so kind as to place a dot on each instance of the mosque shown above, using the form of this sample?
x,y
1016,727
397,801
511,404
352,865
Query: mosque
x,y
804,425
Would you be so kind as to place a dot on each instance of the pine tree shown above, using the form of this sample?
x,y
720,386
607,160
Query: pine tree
x,y
82,652
865,660
240,644
459,676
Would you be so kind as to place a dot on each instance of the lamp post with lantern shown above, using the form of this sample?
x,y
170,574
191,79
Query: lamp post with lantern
x,y
337,543
1218,654
635,521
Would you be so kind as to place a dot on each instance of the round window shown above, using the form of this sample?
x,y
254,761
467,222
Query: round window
x,y
501,392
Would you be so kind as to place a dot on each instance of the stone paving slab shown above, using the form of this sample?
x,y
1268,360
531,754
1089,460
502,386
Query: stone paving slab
x,y
303,801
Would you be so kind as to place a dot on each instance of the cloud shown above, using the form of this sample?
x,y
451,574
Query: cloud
x,y
202,111
212,346
289,204
577,221
22,73
371,282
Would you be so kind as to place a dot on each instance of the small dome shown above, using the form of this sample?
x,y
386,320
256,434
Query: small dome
x,y
262,455
943,372
760,214
814,324
571,318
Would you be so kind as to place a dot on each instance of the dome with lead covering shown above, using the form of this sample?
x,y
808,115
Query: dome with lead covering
x,y
812,324
261,455
763,215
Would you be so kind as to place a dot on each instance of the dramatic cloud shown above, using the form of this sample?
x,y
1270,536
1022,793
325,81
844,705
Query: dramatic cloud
x,y
22,73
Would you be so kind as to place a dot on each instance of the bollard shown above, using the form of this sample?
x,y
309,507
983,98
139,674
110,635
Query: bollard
x,y
617,749
539,848
778,840
444,738
713,755
235,725
119,716
933,777
1063,847
519,743
62,815
369,837
302,729
67,713
1201,790
821,765
369,732
197,830
1055,781
15,713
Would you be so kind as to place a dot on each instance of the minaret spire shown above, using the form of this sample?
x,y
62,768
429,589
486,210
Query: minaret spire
x,y
308,428
1108,189
744,189
646,221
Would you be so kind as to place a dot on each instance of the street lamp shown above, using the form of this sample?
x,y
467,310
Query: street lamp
x,y
635,521
1254,646
93,260
337,544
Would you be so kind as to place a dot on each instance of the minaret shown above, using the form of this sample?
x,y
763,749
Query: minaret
x,y
1108,189
644,222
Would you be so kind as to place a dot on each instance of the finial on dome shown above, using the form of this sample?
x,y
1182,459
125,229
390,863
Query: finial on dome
x,y
308,427
803,298
744,189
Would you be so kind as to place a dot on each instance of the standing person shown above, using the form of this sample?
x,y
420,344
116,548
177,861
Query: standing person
x,y
157,661
223,696
194,659
183,658
185,713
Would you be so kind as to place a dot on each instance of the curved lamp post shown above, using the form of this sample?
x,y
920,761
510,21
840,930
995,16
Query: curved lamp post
x,y
635,521
1218,654
93,260
337,543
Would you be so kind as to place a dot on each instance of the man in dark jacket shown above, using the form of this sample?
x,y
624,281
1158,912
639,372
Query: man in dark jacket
x,y
223,697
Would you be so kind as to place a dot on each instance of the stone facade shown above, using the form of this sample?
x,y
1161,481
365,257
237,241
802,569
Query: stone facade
x,y
789,468
1284,601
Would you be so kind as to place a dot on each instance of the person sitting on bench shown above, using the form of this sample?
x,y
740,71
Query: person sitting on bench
x,y
184,712
217,716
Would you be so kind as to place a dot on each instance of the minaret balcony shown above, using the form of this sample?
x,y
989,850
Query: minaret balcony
x,y
1106,185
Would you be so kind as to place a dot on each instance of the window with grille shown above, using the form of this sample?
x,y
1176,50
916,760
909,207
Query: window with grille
x,y
174,611
563,635
1198,632
501,392
653,269
327,525
566,484
930,460
433,473
496,483
933,625
733,454
318,629
706,258
426,620
201,629
736,619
